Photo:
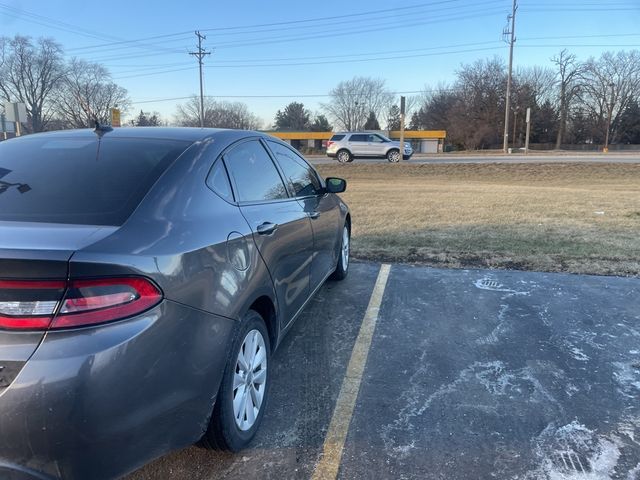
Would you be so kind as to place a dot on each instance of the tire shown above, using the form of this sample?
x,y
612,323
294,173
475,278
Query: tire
x,y
342,269
393,156
344,156
232,427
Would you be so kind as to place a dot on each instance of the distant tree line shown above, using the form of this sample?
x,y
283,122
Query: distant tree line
x,y
572,103
58,93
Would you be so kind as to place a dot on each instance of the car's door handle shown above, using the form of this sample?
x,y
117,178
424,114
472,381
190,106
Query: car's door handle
x,y
267,228
314,214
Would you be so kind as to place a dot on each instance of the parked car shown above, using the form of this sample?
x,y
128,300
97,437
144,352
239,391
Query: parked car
x,y
345,146
146,276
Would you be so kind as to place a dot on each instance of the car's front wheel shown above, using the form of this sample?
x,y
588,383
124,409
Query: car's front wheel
x,y
243,393
343,259
344,156
393,156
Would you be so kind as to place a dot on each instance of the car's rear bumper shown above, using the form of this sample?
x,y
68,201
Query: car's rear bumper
x,y
331,154
99,402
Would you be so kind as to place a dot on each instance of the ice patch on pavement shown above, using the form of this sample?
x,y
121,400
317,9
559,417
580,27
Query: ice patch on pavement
x,y
501,328
578,354
628,379
491,383
489,283
574,452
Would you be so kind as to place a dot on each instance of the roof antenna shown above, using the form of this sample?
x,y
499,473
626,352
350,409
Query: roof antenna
x,y
100,129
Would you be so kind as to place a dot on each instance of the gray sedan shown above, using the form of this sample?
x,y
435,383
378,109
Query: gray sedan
x,y
146,275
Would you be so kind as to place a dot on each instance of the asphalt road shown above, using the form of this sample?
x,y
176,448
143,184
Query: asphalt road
x,y
533,158
471,374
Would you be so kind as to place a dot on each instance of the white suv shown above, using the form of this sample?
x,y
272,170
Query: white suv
x,y
346,146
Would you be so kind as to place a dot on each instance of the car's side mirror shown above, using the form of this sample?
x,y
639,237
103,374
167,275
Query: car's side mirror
x,y
336,185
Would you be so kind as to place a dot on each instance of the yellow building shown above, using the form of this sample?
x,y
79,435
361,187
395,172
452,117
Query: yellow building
x,y
423,141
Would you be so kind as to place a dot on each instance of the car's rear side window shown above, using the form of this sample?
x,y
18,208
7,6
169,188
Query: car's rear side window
x,y
359,138
80,180
218,181
337,138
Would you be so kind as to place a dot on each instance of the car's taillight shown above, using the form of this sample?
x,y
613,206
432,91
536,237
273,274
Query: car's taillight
x,y
29,304
329,143
41,305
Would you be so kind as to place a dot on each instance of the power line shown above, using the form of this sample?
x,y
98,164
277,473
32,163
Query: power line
x,y
341,32
314,62
56,24
230,62
300,24
314,95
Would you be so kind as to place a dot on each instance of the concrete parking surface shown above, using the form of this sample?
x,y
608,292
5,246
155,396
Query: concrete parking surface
x,y
471,374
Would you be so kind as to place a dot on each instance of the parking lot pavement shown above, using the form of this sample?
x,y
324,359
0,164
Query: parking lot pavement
x,y
470,375
500,374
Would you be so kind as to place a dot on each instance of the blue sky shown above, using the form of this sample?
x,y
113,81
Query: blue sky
x,y
297,51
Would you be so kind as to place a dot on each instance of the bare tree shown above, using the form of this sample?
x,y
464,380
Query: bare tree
x,y
30,74
87,94
476,116
569,82
234,115
540,80
611,83
353,100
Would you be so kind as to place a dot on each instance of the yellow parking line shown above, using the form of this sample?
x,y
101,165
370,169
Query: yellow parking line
x,y
327,467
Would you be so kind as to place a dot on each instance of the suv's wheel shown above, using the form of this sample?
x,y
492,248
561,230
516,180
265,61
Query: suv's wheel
x,y
393,156
344,156
343,260
243,393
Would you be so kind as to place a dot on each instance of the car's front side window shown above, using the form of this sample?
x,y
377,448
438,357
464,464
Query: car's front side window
x,y
302,178
254,174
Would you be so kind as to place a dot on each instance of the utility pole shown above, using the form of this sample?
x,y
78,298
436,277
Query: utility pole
x,y
610,108
509,33
402,111
200,55
526,140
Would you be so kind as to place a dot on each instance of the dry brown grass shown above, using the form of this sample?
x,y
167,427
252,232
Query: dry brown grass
x,y
581,218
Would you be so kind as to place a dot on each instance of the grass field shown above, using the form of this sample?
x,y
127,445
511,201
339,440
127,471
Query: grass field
x,y
581,218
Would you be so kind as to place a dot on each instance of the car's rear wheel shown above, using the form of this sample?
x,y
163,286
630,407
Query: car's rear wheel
x,y
343,260
344,156
393,156
243,393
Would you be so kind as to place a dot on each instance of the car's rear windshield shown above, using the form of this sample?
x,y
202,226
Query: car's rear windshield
x,y
80,180
337,138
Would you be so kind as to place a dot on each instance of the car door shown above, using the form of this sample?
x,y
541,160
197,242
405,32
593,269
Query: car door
x,y
376,145
281,228
358,144
323,209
